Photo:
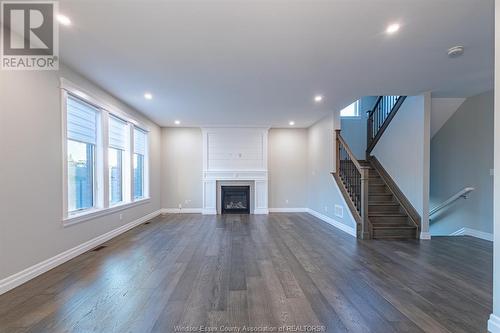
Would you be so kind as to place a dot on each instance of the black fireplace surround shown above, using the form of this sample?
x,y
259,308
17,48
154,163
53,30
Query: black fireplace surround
x,y
235,199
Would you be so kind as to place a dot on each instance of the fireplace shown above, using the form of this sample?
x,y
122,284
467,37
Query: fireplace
x,y
235,199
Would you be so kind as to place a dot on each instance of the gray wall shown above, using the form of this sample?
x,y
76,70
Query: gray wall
x,y
354,129
182,164
401,150
323,192
182,167
462,156
287,151
31,177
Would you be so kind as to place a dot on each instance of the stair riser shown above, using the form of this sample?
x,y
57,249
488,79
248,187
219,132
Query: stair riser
x,y
376,181
380,198
390,225
394,234
382,189
389,219
384,209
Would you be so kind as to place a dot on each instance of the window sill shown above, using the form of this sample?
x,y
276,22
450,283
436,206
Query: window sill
x,y
350,118
95,213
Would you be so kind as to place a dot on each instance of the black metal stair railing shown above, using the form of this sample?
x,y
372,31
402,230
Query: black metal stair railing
x,y
354,179
380,116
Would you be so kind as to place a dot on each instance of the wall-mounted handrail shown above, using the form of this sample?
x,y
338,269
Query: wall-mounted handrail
x,y
461,194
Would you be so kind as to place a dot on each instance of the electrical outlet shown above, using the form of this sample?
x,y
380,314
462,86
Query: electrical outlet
x,y
121,217
180,206
286,201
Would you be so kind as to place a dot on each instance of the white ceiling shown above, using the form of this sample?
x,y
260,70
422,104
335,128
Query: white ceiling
x,y
259,63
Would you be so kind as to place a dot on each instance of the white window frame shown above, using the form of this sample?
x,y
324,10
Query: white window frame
x,y
145,190
356,106
124,165
101,179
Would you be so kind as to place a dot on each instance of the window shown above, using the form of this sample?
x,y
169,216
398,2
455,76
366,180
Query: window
x,y
81,142
105,158
351,110
116,154
139,167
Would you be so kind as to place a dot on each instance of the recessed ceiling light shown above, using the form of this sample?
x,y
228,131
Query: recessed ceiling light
x,y
64,20
291,123
148,95
177,122
392,28
318,98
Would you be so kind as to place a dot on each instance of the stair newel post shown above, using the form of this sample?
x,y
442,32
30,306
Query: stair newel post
x,y
337,151
365,230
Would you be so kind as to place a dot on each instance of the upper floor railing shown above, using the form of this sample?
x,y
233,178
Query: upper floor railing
x,y
380,116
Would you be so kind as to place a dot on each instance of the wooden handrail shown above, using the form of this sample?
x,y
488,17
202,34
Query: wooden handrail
x,y
349,151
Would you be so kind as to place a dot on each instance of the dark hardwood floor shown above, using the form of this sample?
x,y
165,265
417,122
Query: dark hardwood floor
x,y
253,270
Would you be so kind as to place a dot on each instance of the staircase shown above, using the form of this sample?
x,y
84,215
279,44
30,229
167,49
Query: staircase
x,y
386,214
380,208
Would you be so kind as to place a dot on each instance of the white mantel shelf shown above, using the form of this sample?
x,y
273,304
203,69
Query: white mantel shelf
x,y
235,154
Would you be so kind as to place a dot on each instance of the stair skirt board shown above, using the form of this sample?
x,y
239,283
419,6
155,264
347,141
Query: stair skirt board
x,y
473,233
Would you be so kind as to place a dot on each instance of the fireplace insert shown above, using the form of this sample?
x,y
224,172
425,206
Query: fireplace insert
x,y
235,199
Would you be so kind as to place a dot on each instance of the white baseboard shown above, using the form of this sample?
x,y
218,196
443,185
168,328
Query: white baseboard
x,y
288,210
425,235
261,211
29,273
181,211
350,230
473,233
206,211
494,324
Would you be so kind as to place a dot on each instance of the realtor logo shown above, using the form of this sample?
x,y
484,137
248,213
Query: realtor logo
x,y
30,38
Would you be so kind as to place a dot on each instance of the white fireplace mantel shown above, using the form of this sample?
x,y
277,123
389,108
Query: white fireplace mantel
x,y
235,154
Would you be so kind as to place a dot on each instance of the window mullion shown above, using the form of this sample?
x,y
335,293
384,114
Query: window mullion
x,y
104,178
131,163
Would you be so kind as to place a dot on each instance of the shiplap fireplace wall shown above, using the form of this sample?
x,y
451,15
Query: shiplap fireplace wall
x,y
235,155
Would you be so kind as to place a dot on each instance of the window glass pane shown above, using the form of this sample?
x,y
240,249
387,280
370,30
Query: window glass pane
x,y
138,176
350,111
80,175
115,175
